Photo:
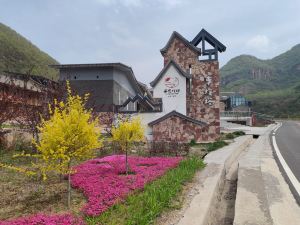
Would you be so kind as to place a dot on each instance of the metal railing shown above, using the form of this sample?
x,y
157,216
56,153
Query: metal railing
x,y
238,114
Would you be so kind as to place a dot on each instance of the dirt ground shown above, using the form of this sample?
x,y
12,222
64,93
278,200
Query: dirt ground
x,y
22,195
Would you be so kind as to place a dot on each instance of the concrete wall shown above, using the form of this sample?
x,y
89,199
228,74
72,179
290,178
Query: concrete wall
x,y
86,74
107,85
122,79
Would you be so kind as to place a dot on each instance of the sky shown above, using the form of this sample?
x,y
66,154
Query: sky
x,y
133,31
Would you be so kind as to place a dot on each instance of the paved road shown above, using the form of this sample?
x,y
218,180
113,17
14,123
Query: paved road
x,y
288,141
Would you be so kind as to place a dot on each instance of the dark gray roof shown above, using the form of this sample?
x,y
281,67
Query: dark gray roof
x,y
177,67
186,42
90,65
175,113
117,65
204,35
140,98
145,90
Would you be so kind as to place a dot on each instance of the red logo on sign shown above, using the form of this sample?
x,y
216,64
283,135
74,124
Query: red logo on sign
x,y
171,82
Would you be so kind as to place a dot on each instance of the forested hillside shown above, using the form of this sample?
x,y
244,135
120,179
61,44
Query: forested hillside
x,y
17,54
273,85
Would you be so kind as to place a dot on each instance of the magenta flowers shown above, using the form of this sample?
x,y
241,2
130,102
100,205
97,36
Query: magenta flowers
x,y
41,219
103,181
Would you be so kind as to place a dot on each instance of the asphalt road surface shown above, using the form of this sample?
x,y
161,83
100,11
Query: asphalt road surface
x,y
288,141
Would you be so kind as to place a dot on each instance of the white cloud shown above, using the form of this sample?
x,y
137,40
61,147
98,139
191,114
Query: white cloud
x,y
105,2
127,3
171,3
168,4
259,42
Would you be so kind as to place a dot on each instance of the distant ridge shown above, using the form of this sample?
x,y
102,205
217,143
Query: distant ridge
x,y
17,54
273,85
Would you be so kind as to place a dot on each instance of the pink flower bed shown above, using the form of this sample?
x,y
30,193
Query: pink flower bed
x,y
103,181
41,219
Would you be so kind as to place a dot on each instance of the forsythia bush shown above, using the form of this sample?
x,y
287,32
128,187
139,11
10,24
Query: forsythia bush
x,y
70,134
126,133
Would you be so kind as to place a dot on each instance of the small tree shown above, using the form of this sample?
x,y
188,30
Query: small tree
x,y
69,135
126,133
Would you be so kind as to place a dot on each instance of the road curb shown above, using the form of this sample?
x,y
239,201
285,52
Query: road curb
x,y
202,207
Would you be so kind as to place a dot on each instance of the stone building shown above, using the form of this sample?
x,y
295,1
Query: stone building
x,y
184,102
188,87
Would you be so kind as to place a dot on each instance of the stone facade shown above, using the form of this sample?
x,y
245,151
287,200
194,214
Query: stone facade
x,y
180,130
203,98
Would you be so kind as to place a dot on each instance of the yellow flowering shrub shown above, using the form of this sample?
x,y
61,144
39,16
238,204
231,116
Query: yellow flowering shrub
x,y
70,134
126,133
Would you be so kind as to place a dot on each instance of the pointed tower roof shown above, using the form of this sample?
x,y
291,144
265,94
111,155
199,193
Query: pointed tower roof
x,y
175,34
204,35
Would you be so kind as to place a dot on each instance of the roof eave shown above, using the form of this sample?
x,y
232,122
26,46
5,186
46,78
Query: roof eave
x,y
185,41
179,70
175,113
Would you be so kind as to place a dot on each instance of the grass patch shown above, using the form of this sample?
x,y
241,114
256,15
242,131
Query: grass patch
x,y
22,195
215,145
143,207
239,133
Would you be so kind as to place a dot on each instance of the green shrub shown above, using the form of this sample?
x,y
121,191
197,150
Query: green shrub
x,y
229,136
193,142
216,145
20,144
239,133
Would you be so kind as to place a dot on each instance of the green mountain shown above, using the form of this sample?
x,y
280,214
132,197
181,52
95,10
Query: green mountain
x,y
17,54
273,85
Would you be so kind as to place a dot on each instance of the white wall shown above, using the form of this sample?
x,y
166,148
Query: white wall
x,y
147,118
122,78
172,101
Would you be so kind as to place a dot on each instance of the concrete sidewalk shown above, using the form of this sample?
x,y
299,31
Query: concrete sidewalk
x,y
263,197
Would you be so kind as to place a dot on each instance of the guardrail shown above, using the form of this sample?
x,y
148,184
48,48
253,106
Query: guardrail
x,y
237,114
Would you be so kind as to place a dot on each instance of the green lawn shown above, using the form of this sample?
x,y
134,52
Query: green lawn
x,y
142,207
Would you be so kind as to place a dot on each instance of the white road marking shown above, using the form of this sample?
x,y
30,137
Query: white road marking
x,y
285,166
279,125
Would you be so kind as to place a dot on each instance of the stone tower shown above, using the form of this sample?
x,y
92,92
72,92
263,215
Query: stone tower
x,y
203,95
